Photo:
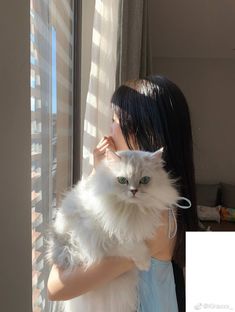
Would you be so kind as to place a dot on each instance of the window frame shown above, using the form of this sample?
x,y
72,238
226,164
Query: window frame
x,y
74,153
77,131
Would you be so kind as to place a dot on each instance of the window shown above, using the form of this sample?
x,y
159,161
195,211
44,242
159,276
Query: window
x,y
52,82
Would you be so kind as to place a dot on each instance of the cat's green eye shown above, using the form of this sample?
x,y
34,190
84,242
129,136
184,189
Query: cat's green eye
x,y
144,180
122,180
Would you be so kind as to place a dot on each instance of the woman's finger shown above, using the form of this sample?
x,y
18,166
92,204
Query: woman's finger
x,y
104,141
99,152
101,142
111,141
103,149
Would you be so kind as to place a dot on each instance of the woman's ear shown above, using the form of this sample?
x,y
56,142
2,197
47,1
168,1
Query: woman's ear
x,y
111,155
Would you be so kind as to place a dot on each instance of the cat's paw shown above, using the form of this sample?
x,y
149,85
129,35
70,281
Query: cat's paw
x,y
138,252
142,257
143,265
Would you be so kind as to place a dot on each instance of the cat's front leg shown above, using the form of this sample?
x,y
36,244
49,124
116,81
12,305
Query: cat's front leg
x,y
138,252
141,256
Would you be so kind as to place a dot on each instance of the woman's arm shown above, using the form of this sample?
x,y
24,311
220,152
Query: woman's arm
x,y
64,285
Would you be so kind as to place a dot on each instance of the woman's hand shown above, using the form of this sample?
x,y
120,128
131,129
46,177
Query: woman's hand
x,y
99,151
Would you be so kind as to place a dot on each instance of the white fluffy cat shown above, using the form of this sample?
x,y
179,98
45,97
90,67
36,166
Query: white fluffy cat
x,y
112,213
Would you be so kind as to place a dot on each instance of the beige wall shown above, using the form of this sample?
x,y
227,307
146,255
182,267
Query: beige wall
x,y
15,172
208,85
15,138
193,44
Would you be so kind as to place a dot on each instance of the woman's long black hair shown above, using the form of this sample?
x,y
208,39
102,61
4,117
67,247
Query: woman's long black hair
x,y
155,113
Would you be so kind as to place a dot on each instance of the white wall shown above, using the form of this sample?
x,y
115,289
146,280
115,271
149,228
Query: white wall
x,y
208,85
15,172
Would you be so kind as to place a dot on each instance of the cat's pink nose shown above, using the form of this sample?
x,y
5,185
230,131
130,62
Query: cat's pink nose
x,y
134,192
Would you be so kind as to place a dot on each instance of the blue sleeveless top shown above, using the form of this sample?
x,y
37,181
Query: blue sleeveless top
x,y
157,288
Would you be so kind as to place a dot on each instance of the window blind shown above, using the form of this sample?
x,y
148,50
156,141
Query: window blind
x,y
52,82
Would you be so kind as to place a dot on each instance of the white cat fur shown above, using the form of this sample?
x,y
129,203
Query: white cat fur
x,y
100,217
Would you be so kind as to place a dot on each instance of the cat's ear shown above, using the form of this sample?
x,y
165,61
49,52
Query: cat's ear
x,y
157,155
111,155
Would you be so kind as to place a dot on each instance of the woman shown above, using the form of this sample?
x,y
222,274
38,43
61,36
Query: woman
x,y
148,114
